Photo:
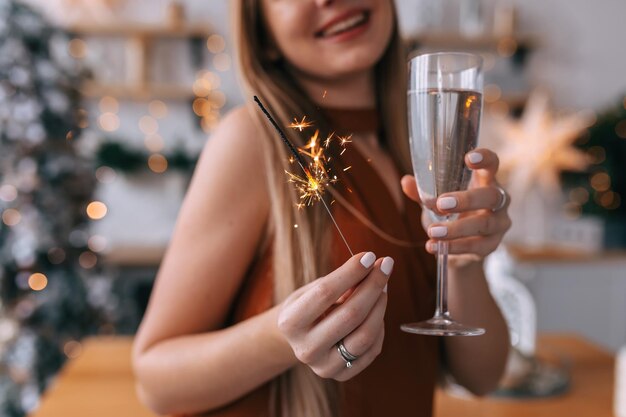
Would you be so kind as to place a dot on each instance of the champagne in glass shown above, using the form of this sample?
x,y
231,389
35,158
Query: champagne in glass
x,y
444,104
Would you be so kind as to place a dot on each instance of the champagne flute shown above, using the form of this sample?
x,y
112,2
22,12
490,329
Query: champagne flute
x,y
444,104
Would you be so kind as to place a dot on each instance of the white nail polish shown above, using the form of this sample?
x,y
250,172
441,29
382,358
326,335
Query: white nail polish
x,y
447,203
368,259
475,157
387,265
438,231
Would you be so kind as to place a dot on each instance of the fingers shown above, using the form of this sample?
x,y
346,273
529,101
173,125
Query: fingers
x,y
485,164
479,247
409,187
321,294
354,312
364,361
482,224
475,199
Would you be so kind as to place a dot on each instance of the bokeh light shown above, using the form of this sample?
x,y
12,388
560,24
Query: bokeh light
x,y
157,163
37,281
105,175
600,181
597,154
8,192
96,210
97,243
221,62
73,349
148,125
579,195
215,44
77,48
201,87
154,143
11,217
109,104
109,122
492,93
620,129
157,109
56,255
87,260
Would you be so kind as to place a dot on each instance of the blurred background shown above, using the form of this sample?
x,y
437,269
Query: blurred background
x,y
106,104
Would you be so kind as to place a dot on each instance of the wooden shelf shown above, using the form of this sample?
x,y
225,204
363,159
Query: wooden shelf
x,y
563,254
137,92
146,31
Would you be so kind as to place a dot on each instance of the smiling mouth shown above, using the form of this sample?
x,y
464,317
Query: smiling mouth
x,y
345,25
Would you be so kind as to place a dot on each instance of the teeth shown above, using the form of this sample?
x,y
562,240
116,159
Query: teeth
x,y
344,24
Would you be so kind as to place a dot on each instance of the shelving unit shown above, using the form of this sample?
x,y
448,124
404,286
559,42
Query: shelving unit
x,y
139,40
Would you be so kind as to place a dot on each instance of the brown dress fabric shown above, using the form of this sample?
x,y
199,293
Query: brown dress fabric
x,y
400,382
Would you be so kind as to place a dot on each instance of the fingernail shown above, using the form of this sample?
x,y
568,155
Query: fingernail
x,y
438,231
432,247
475,157
368,259
446,203
387,266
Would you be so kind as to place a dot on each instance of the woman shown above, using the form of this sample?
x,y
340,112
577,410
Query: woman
x,y
255,294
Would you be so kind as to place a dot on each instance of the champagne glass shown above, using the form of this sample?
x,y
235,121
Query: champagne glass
x,y
444,104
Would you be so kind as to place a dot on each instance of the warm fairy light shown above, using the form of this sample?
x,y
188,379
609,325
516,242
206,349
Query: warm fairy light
x,y
97,243
300,125
493,92
579,195
215,44
77,48
87,260
214,80
201,87
11,217
157,163
221,62
109,122
105,175
37,281
507,47
217,99
83,118
96,210
56,255
606,199
148,125
109,104
73,349
154,143
597,154
600,181
157,109
620,129
199,106
8,192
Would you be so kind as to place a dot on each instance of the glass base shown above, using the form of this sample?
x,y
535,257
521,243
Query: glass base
x,y
440,326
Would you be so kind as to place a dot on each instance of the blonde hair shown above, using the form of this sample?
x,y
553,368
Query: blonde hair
x,y
299,258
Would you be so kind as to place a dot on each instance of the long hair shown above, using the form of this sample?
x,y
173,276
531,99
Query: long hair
x,y
299,258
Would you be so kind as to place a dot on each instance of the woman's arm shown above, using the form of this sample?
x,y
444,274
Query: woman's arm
x,y
183,363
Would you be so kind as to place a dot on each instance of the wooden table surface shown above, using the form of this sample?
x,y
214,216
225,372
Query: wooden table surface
x,y
99,383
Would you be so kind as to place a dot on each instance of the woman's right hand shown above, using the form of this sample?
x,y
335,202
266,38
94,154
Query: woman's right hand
x,y
348,304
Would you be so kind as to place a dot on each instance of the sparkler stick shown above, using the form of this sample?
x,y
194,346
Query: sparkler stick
x,y
312,183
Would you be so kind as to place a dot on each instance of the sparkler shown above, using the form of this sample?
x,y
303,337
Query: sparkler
x,y
316,178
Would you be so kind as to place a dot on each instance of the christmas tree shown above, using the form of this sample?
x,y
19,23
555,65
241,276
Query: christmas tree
x,y
49,289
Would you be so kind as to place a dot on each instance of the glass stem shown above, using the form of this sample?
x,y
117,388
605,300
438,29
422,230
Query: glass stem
x,y
441,310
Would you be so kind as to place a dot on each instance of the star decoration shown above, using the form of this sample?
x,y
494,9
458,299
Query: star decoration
x,y
536,148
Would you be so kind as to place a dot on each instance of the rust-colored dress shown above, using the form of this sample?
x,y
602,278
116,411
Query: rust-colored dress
x,y
400,381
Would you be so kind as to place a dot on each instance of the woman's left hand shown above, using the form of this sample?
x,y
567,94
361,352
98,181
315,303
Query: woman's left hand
x,y
483,219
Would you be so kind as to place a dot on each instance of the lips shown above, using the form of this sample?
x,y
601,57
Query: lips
x,y
343,23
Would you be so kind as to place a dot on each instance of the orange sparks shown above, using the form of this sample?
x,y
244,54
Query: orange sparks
x,y
345,139
300,125
324,95
347,168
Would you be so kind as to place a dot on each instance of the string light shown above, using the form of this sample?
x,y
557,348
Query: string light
x,y
56,255
157,163
154,143
109,104
87,260
201,87
215,44
96,210
77,48
597,153
620,129
148,125
97,243
492,93
109,122
157,109
221,62
8,193
11,217
73,349
105,175
579,195
600,181
37,281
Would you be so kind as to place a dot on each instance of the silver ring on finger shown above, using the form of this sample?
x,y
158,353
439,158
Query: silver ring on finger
x,y
345,355
503,200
